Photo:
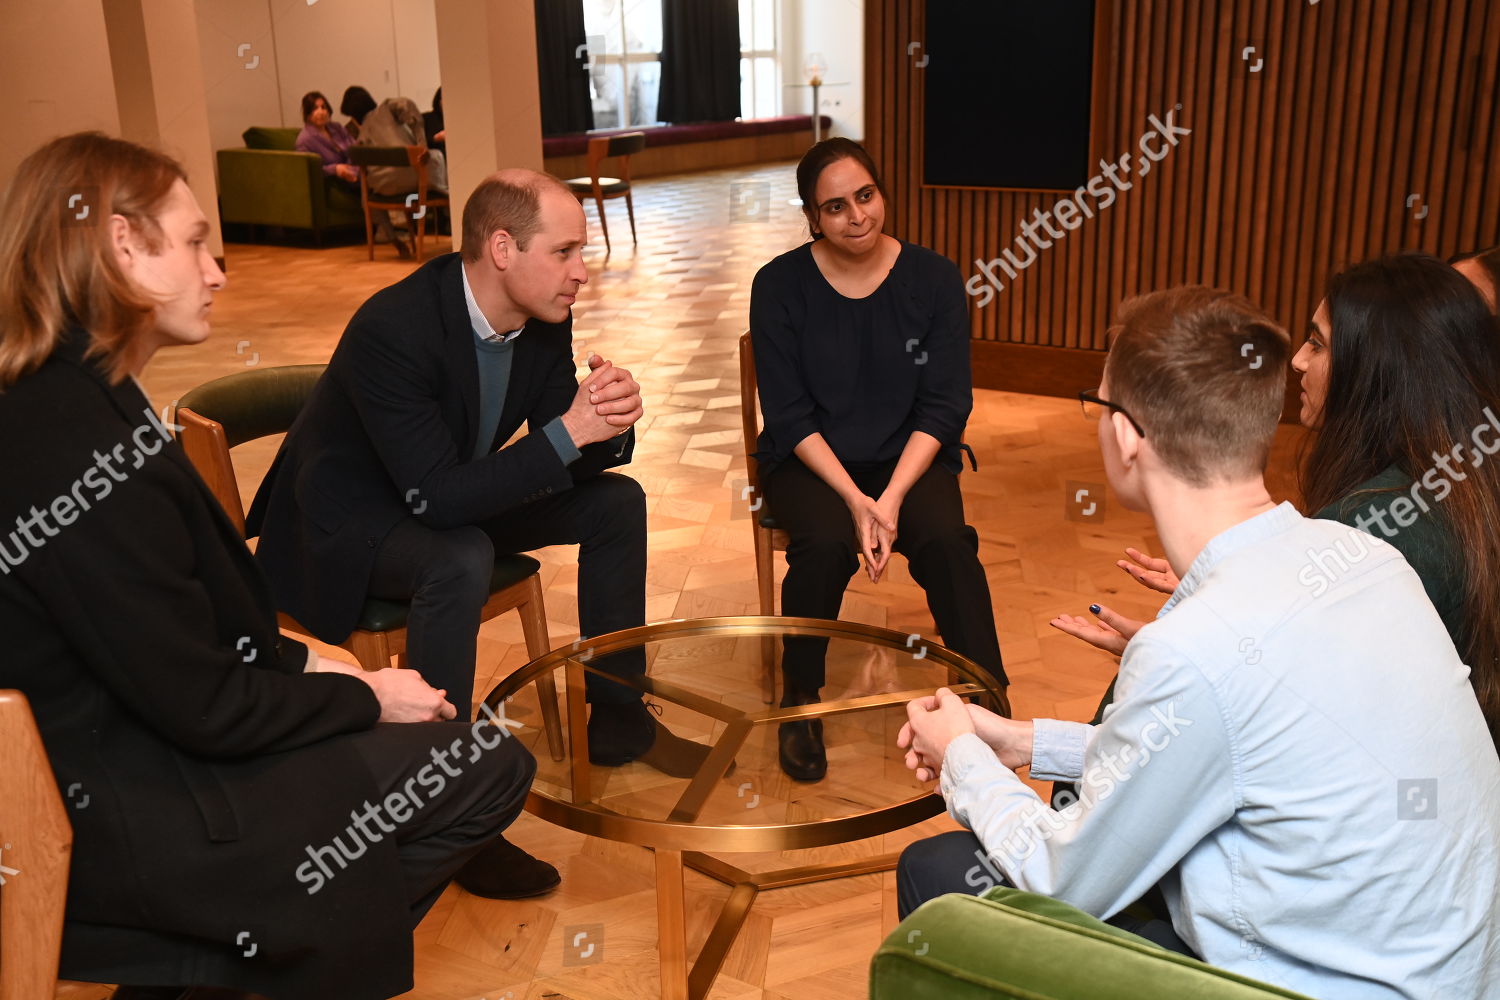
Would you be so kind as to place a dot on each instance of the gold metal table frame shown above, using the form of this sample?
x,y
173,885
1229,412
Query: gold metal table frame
x,y
679,841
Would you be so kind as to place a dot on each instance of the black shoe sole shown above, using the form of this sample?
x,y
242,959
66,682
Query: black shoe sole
x,y
528,892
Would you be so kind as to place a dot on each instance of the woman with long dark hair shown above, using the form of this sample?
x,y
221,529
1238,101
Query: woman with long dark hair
x,y
1401,387
862,356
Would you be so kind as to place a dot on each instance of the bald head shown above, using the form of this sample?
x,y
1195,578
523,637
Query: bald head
x,y
509,199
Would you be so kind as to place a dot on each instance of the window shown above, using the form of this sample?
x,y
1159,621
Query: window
x,y
760,73
624,42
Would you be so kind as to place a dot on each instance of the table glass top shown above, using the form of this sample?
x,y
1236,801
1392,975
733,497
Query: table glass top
x,y
708,681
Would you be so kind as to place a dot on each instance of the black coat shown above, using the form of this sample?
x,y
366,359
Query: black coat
x,y
197,759
389,433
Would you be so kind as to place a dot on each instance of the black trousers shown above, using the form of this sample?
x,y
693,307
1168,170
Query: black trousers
x,y
822,556
446,576
956,862
470,812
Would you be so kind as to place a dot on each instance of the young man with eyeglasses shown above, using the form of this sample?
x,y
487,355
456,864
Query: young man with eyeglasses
x,y
1314,793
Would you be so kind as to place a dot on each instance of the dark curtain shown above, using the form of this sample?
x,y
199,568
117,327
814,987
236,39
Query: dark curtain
x,y
562,67
700,61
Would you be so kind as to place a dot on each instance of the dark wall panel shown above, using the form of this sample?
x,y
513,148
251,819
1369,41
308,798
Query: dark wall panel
x,y
1347,130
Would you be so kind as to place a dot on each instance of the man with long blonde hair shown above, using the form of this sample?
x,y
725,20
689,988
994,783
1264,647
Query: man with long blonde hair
x,y
240,821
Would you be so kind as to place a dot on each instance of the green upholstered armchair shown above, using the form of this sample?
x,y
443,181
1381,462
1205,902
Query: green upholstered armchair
x,y
1009,943
271,183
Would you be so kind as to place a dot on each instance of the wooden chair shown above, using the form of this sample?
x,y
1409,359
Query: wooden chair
x,y
602,189
769,539
36,844
415,204
229,411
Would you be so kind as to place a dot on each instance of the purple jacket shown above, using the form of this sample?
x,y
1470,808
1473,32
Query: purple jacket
x,y
333,148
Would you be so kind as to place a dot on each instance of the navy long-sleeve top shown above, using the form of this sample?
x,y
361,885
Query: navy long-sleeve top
x,y
864,373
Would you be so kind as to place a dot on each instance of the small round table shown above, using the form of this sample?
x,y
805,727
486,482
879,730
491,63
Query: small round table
x,y
711,678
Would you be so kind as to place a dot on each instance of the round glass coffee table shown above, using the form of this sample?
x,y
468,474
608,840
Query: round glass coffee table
x,y
715,680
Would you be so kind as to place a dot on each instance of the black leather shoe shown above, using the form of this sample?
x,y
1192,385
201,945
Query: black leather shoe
x,y
802,755
619,733
503,871
625,733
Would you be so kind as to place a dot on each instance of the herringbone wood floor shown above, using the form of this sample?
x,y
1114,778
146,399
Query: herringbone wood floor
x,y
671,311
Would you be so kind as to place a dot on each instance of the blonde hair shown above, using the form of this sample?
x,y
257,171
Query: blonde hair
x,y
57,265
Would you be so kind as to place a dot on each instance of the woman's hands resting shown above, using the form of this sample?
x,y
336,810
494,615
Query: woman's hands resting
x,y
875,529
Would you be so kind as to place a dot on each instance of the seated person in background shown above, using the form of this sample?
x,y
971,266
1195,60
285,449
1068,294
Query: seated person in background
x,y
220,768
397,122
357,104
393,482
862,358
432,124
1482,268
1273,748
1401,389
327,138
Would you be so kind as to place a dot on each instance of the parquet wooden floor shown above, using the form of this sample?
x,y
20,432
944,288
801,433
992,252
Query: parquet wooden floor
x,y
671,311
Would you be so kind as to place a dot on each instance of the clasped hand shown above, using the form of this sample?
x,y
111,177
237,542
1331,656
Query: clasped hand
x,y
403,695
933,722
607,404
875,529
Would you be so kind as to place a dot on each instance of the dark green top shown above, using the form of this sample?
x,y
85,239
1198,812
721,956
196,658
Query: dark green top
x,y
1422,536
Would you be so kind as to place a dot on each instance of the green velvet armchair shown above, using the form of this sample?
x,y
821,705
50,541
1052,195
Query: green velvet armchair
x,y
270,183
1008,943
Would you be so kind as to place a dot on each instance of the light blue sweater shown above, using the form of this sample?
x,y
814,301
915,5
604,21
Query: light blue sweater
x,y
1309,778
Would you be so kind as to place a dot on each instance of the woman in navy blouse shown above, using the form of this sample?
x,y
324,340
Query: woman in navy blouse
x,y
862,356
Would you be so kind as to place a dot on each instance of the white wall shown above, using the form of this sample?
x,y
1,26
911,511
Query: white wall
x,y
836,28
389,47
238,51
55,73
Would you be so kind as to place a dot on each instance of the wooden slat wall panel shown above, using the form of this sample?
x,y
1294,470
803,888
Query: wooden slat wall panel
x,y
1289,173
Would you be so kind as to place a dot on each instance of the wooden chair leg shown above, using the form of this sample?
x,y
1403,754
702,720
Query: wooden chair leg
x,y
765,585
369,233
370,648
603,224
38,843
630,208
534,627
419,230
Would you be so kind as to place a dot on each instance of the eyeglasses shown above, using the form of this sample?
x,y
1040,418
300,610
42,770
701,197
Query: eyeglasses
x,y
1095,407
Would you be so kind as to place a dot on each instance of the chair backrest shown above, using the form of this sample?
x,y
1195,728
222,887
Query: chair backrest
x,y
229,411
388,156
749,409
625,144
36,844
604,147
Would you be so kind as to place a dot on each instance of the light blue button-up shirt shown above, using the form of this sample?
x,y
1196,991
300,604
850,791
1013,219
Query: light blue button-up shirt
x,y
1309,778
